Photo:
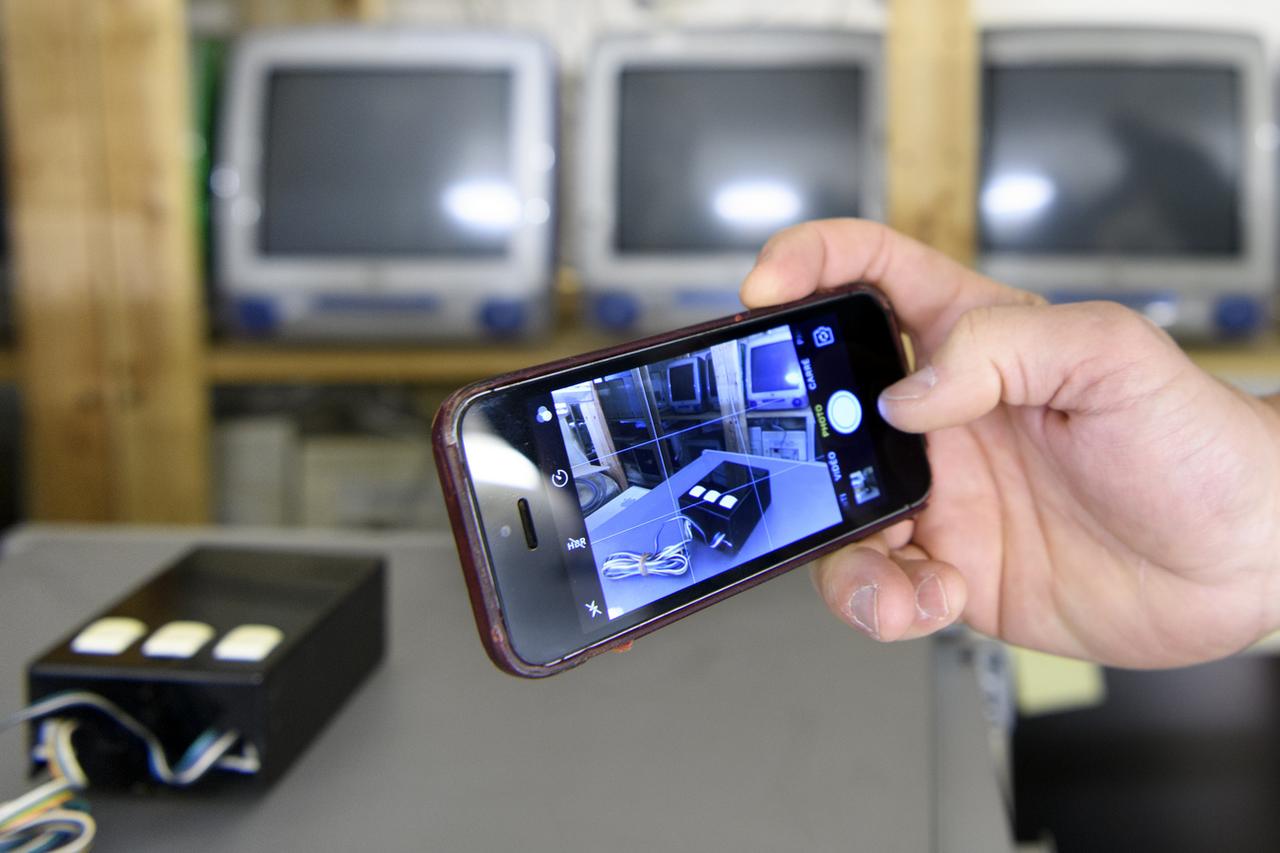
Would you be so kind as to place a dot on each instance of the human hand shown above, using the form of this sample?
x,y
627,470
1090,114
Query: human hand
x,y
1095,494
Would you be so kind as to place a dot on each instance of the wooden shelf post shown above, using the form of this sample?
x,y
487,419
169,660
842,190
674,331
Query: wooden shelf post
x,y
108,285
933,123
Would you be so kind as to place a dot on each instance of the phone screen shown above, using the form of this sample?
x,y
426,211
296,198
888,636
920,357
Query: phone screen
x,y
668,474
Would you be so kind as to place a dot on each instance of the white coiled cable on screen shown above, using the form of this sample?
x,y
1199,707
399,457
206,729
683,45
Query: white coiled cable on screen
x,y
671,561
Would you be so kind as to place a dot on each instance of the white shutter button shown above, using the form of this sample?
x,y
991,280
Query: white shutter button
x,y
844,412
180,639
249,643
109,636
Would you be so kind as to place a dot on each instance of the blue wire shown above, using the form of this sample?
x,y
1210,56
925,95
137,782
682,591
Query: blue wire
x,y
197,748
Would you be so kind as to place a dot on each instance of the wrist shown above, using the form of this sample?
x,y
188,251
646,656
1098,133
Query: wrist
x,y
1270,417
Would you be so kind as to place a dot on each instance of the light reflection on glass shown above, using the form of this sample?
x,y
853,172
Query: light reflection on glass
x,y
757,204
484,205
1017,198
492,460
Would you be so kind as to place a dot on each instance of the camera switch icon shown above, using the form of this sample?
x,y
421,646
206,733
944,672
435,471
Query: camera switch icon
x,y
823,337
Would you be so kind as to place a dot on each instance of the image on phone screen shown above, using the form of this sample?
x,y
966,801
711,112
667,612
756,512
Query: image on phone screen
x,y
690,466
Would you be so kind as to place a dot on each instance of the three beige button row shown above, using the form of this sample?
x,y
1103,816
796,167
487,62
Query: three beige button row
x,y
181,639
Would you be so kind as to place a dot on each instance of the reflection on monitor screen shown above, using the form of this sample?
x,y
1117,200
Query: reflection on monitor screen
x,y
718,159
773,375
388,163
774,367
1112,160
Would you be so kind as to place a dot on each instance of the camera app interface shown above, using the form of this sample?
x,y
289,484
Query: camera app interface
x,y
690,467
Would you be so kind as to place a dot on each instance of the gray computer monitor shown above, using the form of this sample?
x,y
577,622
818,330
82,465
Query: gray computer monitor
x,y
697,146
1133,165
384,183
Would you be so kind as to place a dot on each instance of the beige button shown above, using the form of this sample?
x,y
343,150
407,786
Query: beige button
x,y
248,643
178,640
109,636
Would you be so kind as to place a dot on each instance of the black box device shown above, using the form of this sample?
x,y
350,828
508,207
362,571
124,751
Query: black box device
x,y
265,643
727,504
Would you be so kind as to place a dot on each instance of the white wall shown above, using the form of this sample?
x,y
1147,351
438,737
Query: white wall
x,y
571,25
1260,16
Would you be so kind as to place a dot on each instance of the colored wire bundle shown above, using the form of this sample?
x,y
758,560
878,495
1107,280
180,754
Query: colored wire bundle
x,y
671,561
61,830
45,819
206,752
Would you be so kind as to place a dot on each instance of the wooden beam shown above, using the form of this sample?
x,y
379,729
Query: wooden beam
x,y
8,367
730,383
602,438
53,186
933,59
108,283
154,324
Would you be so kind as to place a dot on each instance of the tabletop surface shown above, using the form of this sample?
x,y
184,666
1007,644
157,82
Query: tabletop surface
x,y
760,724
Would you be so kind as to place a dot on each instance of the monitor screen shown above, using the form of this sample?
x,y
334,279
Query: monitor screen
x,y
682,380
716,160
1112,160
774,367
388,163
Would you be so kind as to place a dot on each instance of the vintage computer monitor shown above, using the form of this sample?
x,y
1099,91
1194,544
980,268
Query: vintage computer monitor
x,y
386,184
697,146
773,376
689,385
1132,165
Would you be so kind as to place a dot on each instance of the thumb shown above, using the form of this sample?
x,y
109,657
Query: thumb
x,y
1082,357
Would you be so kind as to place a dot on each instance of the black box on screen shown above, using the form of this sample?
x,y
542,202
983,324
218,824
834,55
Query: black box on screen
x,y
268,643
727,504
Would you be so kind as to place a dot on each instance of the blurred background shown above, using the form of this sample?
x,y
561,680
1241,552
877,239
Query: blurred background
x,y
246,248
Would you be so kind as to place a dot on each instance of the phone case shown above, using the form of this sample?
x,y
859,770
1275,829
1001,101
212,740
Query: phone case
x,y
466,530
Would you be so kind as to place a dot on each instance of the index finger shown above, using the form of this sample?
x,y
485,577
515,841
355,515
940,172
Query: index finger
x,y
928,290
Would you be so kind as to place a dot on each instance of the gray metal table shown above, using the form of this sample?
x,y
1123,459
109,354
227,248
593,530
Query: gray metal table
x,y
761,724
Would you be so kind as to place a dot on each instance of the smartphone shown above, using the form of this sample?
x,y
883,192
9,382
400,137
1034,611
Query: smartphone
x,y
599,498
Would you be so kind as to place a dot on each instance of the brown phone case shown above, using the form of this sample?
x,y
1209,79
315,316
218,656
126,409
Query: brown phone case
x,y
466,529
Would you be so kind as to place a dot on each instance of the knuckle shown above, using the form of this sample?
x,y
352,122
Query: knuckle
x,y
781,239
1124,328
973,326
